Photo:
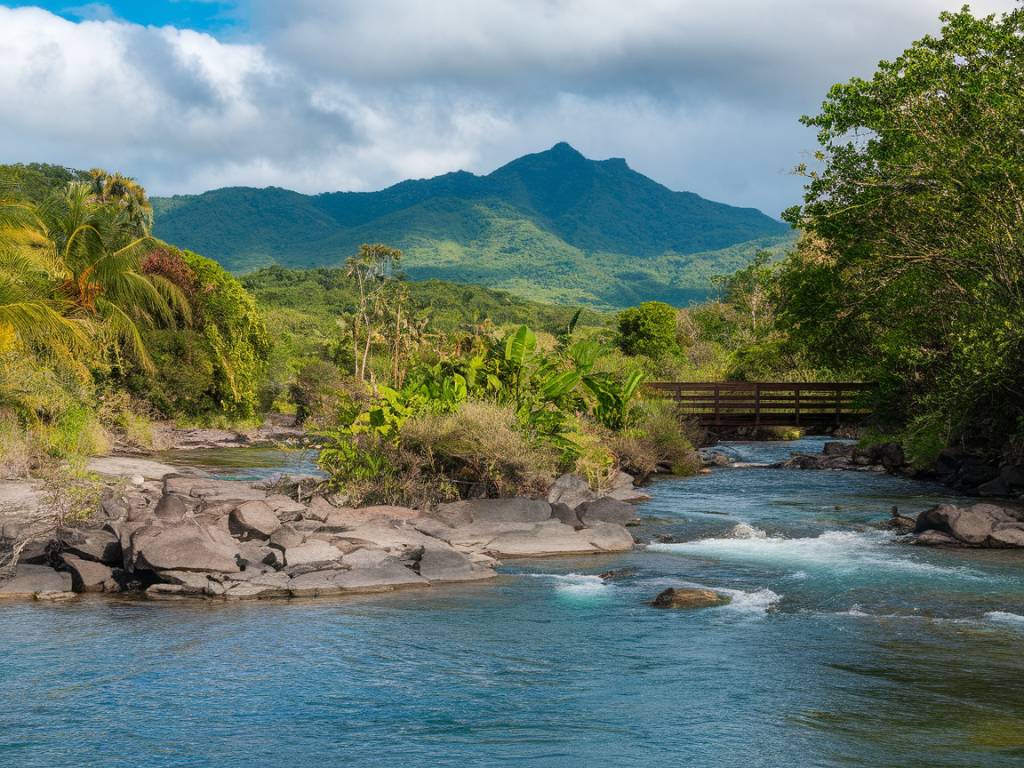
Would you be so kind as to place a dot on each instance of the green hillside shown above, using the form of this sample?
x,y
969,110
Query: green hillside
x,y
552,225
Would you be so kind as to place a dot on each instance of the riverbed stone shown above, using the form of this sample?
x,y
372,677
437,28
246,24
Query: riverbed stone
x,y
261,587
382,578
441,564
608,510
514,510
286,536
254,519
981,525
366,558
571,490
685,597
36,582
311,552
187,547
556,538
101,546
566,514
89,575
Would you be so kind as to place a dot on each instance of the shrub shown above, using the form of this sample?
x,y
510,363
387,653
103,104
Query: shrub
x,y
659,439
648,329
479,450
322,394
15,447
127,419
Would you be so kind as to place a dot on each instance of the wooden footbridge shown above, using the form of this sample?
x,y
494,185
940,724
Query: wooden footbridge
x,y
751,404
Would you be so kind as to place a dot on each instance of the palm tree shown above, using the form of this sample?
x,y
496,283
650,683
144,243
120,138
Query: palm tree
x,y
33,320
99,253
128,194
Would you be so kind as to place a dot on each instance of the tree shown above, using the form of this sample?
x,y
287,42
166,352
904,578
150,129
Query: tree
x,y
648,329
913,267
379,295
100,265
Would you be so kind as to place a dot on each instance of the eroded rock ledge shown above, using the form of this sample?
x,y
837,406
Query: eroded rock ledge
x,y
185,537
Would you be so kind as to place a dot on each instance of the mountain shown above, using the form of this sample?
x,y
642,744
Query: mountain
x,y
552,225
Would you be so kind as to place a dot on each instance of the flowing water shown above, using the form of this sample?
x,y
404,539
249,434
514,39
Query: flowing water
x,y
839,648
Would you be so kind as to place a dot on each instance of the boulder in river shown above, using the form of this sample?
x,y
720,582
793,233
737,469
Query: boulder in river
x,y
688,597
980,525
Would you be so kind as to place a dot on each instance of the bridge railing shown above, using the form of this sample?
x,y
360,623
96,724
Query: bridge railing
x,y
735,403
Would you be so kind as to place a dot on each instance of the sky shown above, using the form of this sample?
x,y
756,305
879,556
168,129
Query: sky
x,y
325,95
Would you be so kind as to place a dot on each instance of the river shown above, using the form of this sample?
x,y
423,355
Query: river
x,y
840,648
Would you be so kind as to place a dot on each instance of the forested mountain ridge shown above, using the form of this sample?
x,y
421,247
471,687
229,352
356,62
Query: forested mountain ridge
x,y
551,225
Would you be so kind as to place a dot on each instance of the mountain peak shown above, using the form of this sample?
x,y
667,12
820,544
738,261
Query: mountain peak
x,y
564,148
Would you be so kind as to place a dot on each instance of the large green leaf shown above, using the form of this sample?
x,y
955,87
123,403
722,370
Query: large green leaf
x,y
559,385
519,346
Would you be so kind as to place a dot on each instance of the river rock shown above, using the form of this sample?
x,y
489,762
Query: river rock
x,y
260,587
174,508
254,519
210,491
836,448
571,490
36,582
89,575
440,564
679,597
981,525
312,552
380,579
286,536
514,510
566,514
608,510
623,487
101,546
192,583
188,547
555,538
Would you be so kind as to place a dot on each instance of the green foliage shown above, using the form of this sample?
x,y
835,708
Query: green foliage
x,y
912,271
648,329
544,392
552,225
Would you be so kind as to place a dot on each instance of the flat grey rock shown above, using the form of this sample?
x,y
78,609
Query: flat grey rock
x,y
36,581
187,547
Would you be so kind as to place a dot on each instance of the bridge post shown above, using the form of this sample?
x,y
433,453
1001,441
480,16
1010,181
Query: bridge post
x,y
796,393
839,402
718,413
757,404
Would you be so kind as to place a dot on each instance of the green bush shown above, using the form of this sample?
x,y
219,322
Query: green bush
x,y
478,450
648,329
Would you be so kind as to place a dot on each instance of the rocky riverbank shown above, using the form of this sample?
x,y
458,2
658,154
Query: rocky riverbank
x,y
164,535
963,471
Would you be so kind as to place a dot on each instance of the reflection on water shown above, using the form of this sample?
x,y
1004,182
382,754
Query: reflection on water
x,y
839,648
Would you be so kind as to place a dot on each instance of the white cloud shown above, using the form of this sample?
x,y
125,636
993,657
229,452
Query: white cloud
x,y
319,95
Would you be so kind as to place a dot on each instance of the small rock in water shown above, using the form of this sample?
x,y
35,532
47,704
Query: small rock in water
x,y
678,597
618,573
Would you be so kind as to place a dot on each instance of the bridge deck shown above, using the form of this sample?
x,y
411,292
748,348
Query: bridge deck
x,y
741,404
